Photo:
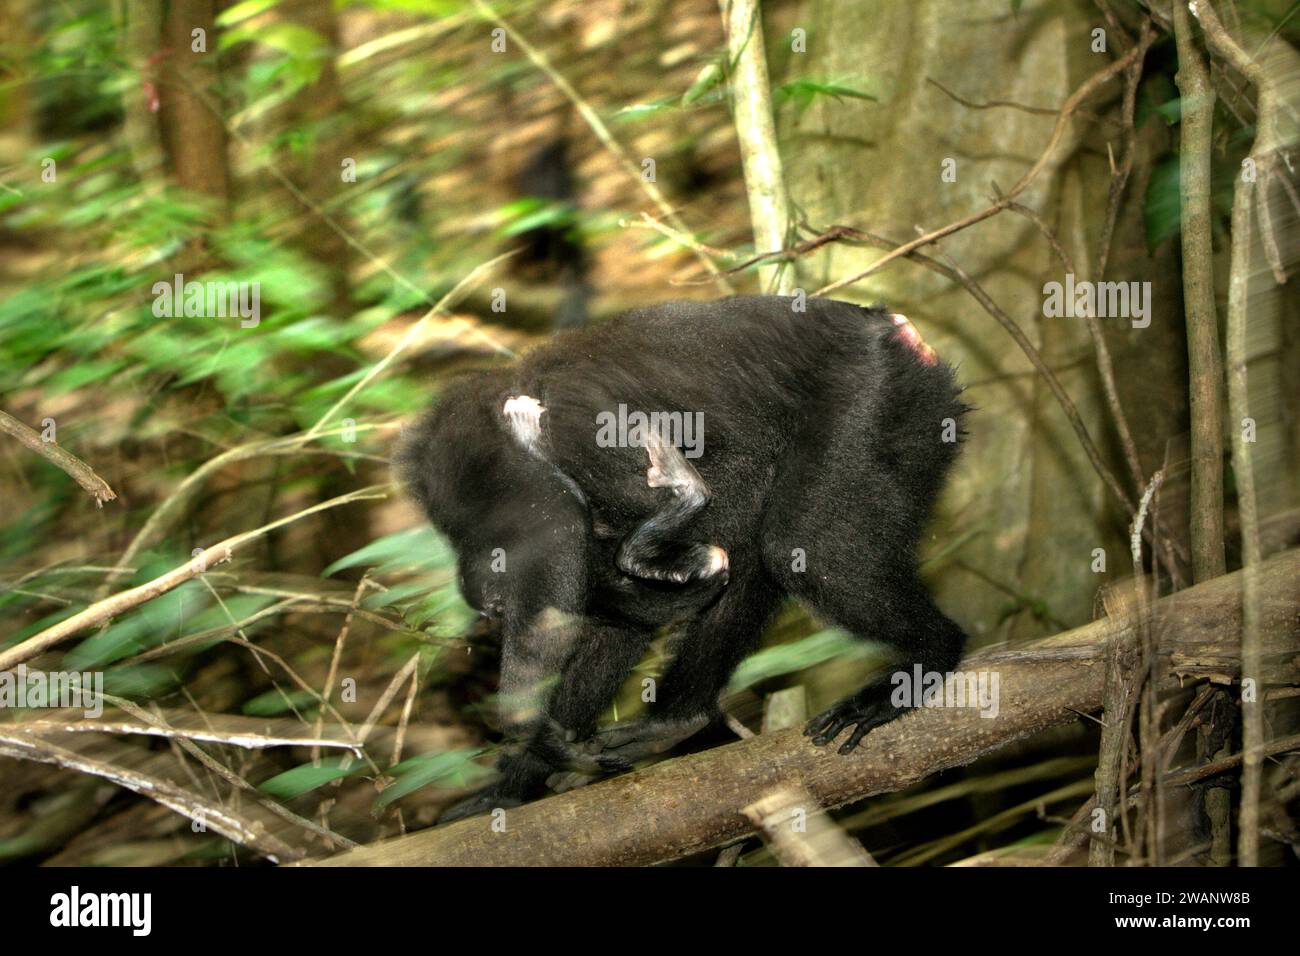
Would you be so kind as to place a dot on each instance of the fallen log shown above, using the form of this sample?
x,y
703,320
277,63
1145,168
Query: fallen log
x,y
693,803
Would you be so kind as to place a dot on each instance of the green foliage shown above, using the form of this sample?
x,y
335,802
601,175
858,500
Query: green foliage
x,y
412,550
1163,207
308,777
279,701
803,91
452,768
797,656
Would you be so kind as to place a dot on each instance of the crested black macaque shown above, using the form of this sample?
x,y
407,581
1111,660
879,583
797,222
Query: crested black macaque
x,y
554,251
796,453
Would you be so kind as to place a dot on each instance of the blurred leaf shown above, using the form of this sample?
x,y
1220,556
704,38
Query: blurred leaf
x,y
1171,112
294,783
148,681
451,768
1163,207
444,606
165,618
277,701
803,91
240,12
414,549
796,656
643,110
708,79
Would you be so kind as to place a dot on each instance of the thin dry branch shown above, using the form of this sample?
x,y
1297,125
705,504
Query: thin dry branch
x,y
172,508
1243,464
229,824
1204,365
123,601
1068,109
1105,367
960,276
76,469
1120,176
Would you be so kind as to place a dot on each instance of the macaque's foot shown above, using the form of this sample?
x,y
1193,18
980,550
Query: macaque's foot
x,y
485,801
697,562
553,746
868,708
522,771
638,739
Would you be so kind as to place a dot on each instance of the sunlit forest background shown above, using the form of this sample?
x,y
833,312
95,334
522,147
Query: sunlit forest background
x,y
368,165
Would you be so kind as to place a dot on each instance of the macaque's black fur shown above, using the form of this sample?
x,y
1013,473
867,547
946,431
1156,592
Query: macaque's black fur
x,y
554,252
824,430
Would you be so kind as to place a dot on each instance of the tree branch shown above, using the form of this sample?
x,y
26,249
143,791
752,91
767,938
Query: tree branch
x,y
124,601
77,469
751,100
1204,365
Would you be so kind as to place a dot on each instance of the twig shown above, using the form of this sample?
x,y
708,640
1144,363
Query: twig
x,y
1053,383
955,274
1205,368
172,508
1243,464
751,100
1119,178
1009,104
457,292
1068,109
332,676
77,469
124,601
233,827
1149,727
1105,367
1117,708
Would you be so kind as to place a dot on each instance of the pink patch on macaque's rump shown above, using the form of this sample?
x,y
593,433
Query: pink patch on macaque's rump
x,y
907,332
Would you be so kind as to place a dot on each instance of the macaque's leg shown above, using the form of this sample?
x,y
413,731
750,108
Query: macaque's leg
x,y
854,519
704,658
599,658
654,549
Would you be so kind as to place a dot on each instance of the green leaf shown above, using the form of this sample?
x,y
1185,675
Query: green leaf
x,y
415,549
796,656
451,768
276,701
165,618
294,783
1163,206
242,11
1171,112
803,91
708,79
644,110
